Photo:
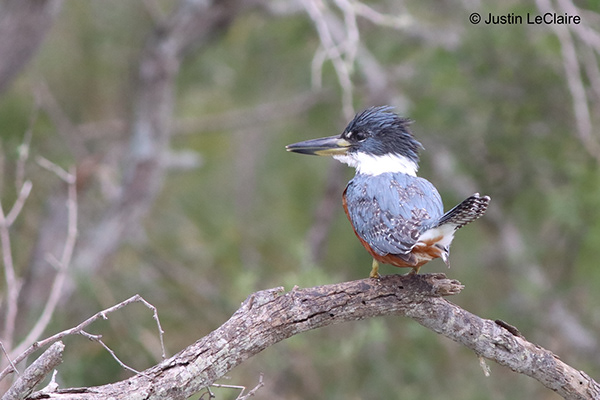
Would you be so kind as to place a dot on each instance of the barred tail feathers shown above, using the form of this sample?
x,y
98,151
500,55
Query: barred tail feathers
x,y
467,211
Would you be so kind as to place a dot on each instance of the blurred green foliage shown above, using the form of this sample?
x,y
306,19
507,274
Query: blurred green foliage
x,y
496,99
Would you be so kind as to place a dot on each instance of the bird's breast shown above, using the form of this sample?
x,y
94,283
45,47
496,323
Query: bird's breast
x,y
390,211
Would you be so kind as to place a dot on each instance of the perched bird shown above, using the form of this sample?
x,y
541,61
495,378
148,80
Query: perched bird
x,y
397,216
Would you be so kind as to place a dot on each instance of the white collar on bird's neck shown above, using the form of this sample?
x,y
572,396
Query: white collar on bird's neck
x,y
369,164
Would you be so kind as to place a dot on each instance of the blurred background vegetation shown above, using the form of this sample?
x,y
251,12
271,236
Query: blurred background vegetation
x,y
511,111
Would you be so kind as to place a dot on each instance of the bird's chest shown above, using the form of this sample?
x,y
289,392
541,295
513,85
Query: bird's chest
x,y
388,196
390,211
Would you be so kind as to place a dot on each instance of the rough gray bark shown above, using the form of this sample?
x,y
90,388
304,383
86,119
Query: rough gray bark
x,y
35,373
270,316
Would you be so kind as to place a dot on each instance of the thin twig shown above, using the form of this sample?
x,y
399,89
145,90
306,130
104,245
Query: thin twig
x,y
575,84
19,203
208,392
75,330
8,358
50,166
352,35
61,265
13,284
161,332
484,366
316,68
98,339
584,30
402,22
340,53
23,149
241,388
253,391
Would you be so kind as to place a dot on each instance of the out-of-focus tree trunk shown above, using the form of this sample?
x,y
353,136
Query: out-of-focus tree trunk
x,y
23,26
187,29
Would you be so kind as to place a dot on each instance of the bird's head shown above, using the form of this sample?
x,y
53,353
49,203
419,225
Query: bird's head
x,y
376,141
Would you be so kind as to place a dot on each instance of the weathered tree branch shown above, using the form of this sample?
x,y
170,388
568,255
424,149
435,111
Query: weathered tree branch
x,y
36,372
269,316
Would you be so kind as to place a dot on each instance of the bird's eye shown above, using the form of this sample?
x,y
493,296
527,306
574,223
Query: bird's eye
x,y
359,136
355,136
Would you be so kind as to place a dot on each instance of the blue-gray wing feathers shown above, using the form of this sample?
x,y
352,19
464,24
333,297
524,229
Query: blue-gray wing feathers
x,y
391,210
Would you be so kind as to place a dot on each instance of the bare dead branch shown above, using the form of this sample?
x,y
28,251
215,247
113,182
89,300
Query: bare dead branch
x,y
98,339
585,30
79,328
241,388
35,373
269,316
340,48
587,36
575,81
13,283
24,147
57,170
19,203
61,265
401,22
8,358
253,391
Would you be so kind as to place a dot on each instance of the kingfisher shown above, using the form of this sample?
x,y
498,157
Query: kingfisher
x,y
397,216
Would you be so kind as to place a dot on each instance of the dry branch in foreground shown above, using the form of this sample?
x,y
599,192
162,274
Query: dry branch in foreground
x,y
269,316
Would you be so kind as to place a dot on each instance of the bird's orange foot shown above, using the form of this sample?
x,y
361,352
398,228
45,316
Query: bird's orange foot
x,y
374,270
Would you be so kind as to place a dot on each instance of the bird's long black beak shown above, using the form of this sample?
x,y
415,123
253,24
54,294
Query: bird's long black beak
x,y
328,146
